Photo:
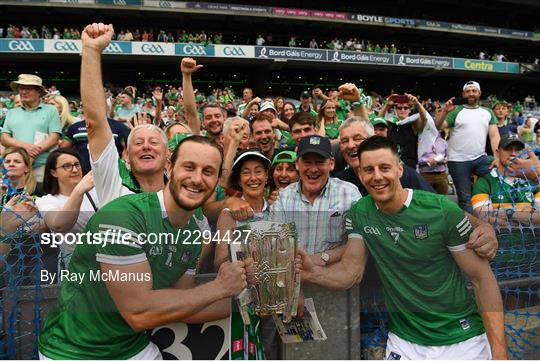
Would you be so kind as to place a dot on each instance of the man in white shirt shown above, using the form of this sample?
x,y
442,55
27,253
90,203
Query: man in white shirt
x,y
470,124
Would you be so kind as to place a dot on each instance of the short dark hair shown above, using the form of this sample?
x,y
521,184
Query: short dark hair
x,y
212,105
377,142
201,140
302,118
261,117
50,183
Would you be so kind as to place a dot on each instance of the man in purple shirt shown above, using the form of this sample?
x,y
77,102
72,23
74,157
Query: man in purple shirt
x,y
433,168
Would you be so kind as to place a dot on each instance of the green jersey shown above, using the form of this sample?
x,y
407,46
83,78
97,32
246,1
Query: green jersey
x,y
426,296
332,129
504,194
85,323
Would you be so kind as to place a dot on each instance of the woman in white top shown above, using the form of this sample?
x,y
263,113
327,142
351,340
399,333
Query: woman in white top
x,y
70,201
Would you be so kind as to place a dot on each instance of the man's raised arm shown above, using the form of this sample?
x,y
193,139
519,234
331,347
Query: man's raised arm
x,y
189,66
95,38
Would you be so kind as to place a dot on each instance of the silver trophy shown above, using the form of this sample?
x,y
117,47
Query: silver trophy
x,y
272,246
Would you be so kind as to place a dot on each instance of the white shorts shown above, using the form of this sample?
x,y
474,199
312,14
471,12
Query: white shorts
x,y
150,352
476,348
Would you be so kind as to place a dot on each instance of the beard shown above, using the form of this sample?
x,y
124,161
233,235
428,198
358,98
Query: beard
x,y
174,187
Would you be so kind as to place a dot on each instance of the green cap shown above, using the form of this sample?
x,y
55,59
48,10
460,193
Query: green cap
x,y
286,156
379,120
499,102
176,140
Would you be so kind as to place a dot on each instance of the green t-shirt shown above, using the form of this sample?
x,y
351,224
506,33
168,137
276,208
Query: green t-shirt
x,y
33,126
332,129
425,293
85,323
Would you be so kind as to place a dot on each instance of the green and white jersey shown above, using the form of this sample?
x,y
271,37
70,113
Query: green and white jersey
x,y
425,293
504,192
85,322
469,132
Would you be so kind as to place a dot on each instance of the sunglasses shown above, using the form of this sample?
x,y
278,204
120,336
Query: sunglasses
x,y
402,108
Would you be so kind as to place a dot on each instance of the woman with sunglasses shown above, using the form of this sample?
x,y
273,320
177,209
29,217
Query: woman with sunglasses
x,y
406,127
70,200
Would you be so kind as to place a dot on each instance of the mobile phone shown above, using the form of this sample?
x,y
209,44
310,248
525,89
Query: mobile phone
x,y
460,101
400,99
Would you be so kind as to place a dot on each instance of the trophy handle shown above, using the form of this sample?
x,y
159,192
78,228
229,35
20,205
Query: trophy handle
x,y
292,307
244,298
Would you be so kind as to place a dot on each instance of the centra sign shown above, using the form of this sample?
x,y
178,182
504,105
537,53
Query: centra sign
x,y
478,65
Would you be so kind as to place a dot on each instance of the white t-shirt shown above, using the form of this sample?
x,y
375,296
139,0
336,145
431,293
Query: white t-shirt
x,y
470,129
56,202
107,179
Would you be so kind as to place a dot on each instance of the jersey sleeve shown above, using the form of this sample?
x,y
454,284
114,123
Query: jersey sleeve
x,y
457,225
481,192
352,229
107,180
451,117
118,232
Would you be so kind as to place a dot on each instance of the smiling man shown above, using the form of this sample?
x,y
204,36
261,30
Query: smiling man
x,y
128,282
263,134
419,242
316,203
470,124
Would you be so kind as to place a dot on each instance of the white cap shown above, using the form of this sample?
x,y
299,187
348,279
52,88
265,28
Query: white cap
x,y
267,105
473,84
529,115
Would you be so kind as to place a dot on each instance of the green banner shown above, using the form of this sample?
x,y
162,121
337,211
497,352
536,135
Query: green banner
x,y
485,65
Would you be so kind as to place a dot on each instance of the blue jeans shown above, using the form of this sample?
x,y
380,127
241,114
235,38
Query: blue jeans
x,y
461,173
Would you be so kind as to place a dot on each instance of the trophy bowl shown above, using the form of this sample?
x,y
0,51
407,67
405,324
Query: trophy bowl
x,y
272,246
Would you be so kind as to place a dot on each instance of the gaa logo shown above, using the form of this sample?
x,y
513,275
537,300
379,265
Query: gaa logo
x,y
20,45
152,48
66,46
231,50
113,48
372,230
194,50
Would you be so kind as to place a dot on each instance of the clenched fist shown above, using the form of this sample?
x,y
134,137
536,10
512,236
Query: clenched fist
x,y
97,36
231,278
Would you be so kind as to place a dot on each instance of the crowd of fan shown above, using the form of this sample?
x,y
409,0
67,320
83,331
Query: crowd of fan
x,y
201,37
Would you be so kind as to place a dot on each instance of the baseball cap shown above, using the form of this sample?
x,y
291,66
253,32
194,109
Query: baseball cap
x,y
266,106
305,94
286,156
529,115
250,153
315,144
379,120
510,138
473,84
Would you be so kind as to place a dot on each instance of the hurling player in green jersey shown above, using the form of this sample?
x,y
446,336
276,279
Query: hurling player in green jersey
x,y
120,287
418,241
